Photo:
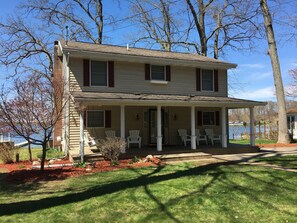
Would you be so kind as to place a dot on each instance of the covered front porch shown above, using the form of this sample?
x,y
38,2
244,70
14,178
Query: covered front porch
x,y
158,119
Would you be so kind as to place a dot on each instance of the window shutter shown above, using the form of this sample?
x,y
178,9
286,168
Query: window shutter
x,y
217,117
198,80
86,71
85,119
216,80
168,73
147,71
199,118
110,74
107,119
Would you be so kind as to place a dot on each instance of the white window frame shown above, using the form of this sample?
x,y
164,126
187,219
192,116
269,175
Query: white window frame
x,y
90,75
87,124
214,118
201,80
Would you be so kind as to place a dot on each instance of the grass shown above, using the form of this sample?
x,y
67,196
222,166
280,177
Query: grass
x,y
289,161
174,193
247,141
36,153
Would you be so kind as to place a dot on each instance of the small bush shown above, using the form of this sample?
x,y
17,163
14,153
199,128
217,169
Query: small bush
x,y
111,148
81,165
7,152
135,159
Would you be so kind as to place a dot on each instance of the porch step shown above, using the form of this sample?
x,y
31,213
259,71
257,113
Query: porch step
x,y
184,156
88,157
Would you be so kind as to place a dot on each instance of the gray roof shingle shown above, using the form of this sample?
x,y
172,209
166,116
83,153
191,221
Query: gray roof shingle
x,y
166,99
140,52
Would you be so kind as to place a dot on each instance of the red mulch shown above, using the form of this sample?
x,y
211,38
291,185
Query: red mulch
x,y
22,172
277,145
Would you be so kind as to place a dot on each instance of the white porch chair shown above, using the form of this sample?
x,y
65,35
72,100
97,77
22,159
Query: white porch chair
x,y
200,137
134,138
211,136
90,140
184,136
110,134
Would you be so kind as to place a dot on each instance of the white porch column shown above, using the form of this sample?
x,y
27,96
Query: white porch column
x,y
123,126
123,122
81,131
159,129
252,128
224,126
193,134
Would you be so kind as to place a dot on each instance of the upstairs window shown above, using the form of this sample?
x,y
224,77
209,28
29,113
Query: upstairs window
x,y
207,80
95,119
158,73
98,73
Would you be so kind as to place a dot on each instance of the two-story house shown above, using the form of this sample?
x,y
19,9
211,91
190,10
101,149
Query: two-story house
x,y
156,92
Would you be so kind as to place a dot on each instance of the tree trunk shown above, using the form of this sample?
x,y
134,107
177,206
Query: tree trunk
x,y
283,136
30,152
43,157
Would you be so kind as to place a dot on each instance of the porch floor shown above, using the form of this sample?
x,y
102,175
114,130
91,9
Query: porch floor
x,y
203,149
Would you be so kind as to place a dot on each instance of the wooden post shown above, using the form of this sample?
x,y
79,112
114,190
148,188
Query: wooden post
x,y
259,124
252,127
264,130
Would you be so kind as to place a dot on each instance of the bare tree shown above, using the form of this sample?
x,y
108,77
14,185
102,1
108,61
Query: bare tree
x,y
223,24
22,44
159,23
292,88
84,17
29,107
283,136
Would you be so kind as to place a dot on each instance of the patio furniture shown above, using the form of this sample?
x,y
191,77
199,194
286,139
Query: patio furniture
x,y
211,136
134,138
110,134
90,140
200,137
184,136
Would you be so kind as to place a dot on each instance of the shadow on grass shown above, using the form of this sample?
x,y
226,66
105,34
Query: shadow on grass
x,y
100,190
144,181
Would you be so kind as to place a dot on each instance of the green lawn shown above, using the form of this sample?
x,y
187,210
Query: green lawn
x,y
289,161
247,141
37,152
174,193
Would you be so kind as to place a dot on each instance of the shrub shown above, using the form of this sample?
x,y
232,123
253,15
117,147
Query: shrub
x,y
135,159
111,148
7,152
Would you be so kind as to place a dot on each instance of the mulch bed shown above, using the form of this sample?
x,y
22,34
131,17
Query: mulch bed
x,y
22,172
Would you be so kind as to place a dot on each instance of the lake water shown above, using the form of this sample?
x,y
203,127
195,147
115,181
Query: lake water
x,y
235,131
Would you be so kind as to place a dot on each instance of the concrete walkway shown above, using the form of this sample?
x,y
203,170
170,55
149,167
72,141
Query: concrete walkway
x,y
264,152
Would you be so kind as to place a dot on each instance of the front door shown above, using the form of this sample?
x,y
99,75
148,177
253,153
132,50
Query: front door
x,y
153,126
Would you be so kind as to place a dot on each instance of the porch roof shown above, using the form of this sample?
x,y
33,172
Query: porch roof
x,y
92,98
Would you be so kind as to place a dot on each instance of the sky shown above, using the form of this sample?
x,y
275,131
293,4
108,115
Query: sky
x,y
252,79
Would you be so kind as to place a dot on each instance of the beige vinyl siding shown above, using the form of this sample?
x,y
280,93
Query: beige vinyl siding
x,y
74,127
74,133
129,77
